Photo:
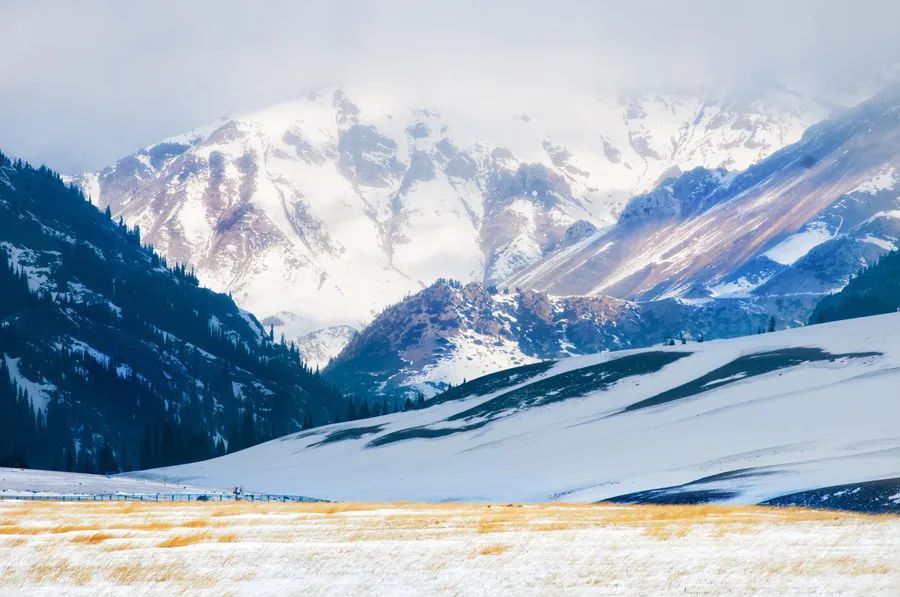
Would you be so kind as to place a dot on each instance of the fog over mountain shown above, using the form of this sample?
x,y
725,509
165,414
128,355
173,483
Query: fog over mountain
x,y
124,76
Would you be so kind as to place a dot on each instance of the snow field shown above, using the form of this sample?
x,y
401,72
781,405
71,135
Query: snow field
x,y
28,482
815,424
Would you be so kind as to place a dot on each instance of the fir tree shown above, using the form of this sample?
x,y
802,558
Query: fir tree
x,y
106,460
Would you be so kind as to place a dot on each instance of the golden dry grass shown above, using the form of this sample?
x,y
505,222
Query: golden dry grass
x,y
19,530
91,539
60,571
185,540
189,547
121,546
195,524
494,549
667,531
228,538
139,572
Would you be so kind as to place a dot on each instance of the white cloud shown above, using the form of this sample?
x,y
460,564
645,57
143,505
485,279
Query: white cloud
x,y
84,83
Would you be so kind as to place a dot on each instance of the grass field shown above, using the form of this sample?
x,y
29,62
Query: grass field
x,y
397,549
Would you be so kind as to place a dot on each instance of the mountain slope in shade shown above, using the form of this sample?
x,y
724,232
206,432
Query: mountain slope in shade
x,y
448,332
802,220
124,361
321,211
743,421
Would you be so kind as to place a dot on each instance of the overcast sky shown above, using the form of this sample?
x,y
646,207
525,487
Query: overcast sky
x,y
84,83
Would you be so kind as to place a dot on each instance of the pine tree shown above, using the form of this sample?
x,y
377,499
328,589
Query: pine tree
x,y
106,460
248,430
70,457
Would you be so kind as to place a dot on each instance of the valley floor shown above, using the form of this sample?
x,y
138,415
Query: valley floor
x,y
397,549
21,482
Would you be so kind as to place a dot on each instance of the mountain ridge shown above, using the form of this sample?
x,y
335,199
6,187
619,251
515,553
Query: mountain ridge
x,y
448,333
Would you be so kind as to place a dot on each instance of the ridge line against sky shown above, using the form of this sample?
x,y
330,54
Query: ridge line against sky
x,y
86,83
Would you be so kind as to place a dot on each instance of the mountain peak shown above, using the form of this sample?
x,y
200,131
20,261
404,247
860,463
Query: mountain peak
x,y
333,205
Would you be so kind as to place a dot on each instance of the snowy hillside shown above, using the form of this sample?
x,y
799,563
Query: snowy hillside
x,y
321,211
28,482
448,333
743,420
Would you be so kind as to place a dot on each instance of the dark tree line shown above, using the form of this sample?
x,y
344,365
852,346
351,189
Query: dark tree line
x,y
874,290
143,366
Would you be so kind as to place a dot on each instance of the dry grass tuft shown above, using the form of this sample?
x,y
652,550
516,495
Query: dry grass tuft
x,y
665,532
494,549
228,538
185,540
59,571
138,572
72,528
337,507
91,539
493,524
555,526
121,546
19,530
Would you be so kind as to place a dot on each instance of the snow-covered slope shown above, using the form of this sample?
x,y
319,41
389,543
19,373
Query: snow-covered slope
x,y
321,211
15,482
448,333
802,220
742,420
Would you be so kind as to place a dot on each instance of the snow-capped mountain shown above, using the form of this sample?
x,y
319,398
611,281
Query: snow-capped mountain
x,y
778,236
800,221
448,333
744,420
321,211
